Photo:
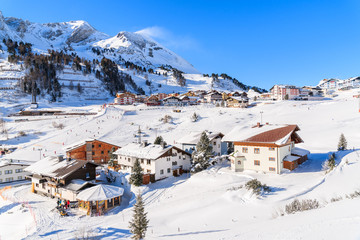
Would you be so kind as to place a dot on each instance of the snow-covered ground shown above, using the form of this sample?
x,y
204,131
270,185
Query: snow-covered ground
x,y
210,204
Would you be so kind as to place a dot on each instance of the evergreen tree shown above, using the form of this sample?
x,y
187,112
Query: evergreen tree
x,y
136,177
342,145
79,88
287,97
139,222
159,140
202,153
112,157
331,162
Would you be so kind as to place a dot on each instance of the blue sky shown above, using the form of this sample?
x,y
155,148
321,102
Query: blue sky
x,y
258,42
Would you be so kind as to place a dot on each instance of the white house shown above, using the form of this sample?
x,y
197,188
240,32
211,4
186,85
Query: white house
x,y
12,170
266,148
157,160
188,142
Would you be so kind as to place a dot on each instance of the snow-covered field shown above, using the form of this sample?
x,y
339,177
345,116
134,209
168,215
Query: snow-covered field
x,y
210,204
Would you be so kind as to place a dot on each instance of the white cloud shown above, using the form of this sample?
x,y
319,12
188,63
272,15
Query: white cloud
x,y
168,39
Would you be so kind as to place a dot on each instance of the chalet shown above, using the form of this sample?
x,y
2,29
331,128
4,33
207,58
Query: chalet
x,y
140,98
153,100
11,170
266,148
213,97
52,175
172,101
185,100
157,161
161,96
124,98
189,141
283,92
91,150
237,102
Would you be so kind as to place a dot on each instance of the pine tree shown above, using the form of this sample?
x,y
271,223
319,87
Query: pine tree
x,y
139,222
136,177
112,157
331,162
202,153
159,140
342,145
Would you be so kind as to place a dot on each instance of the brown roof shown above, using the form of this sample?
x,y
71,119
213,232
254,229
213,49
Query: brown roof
x,y
276,134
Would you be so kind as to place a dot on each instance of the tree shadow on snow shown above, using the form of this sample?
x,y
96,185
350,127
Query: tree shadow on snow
x,y
114,233
6,208
51,233
316,161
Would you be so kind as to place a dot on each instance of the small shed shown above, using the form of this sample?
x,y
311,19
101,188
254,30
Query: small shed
x,y
99,198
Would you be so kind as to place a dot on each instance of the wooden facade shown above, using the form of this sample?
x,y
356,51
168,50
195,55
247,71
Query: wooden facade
x,y
94,150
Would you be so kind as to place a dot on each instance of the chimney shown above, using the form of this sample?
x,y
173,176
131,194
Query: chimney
x,y
144,143
163,145
60,158
267,123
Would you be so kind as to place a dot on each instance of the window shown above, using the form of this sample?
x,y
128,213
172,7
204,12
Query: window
x,y
108,151
37,185
148,162
168,170
142,161
92,146
271,159
257,162
19,177
257,150
87,175
168,159
9,179
179,157
148,171
18,170
272,169
102,152
271,149
0,172
128,159
8,171
0,180
43,185
244,149
93,153
214,144
174,163
99,145
161,171
239,162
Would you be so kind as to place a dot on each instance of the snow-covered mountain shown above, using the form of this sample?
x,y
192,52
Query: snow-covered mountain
x,y
82,37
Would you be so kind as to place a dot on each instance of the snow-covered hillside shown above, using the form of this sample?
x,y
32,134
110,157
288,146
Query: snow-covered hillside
x,y
210,204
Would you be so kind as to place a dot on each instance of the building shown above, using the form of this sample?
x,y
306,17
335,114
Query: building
x,y
91,150
172,101
266,148
285,92
51,175
157,161
124,98
237,102
336,84
189,141
100,198
11,170
213,97
153,100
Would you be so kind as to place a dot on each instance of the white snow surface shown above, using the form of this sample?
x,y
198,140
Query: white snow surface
x,y
150,151
207,205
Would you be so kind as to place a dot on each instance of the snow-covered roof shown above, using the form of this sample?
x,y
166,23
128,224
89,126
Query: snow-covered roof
x,y
77,184
4,163
150,151
269,133
291,158
100,192
194,137
54,166
299,151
